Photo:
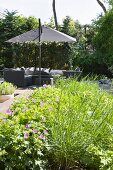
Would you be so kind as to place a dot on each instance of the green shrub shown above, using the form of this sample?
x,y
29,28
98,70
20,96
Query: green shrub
x,y
74,120
6,88
22,137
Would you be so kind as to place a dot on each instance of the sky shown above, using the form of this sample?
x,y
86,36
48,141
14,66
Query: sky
x,y
82,10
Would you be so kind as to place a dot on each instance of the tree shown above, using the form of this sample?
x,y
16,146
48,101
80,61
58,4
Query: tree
x,y
12,25
104,38
54,14
109,2
102,5
103,2
68,26
50,23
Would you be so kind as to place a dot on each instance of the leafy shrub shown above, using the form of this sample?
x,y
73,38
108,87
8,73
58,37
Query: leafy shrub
x,y
73,125
6,88
23,136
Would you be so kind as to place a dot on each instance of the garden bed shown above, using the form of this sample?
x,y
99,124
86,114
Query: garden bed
x,y
66,127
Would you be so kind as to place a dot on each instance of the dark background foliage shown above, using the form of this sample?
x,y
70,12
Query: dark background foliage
x,y
92,52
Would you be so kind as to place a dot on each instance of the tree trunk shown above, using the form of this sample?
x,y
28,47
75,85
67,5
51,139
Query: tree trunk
x,y
102,5
55,16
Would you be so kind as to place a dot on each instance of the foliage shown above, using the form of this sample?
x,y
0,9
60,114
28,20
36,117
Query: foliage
x,y
92,51
68,26
26,54
22,136
109,2
85,53
50,23
81,126
54,55
6,88
104,40
106,5
67,125
12,25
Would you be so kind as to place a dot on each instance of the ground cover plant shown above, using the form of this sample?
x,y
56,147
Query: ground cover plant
x,y
68,126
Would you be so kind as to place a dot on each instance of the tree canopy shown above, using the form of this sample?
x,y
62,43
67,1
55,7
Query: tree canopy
x,y
104,38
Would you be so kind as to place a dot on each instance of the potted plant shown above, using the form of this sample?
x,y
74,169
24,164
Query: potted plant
x,y
6,91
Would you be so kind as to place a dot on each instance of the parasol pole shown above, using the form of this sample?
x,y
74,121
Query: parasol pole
x,y
39,52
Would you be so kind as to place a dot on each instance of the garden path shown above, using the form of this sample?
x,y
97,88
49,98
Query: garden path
x,y
18,92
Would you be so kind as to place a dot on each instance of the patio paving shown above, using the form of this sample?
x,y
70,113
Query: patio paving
x,y
18,92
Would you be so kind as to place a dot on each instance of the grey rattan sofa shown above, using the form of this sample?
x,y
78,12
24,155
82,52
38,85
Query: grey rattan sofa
x,y
17,77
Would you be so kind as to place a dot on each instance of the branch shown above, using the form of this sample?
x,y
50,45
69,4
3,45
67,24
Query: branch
x,y
102,6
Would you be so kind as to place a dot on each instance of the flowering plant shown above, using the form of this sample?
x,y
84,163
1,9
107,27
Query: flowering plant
x,y
23,135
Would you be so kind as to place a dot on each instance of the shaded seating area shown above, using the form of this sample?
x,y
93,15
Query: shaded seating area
x,y
23,77
26,77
